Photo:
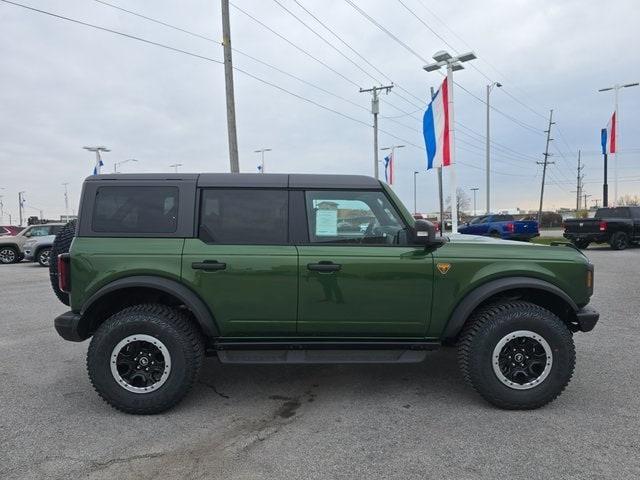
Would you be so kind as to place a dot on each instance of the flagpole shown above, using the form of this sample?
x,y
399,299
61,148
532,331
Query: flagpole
x,y
452,152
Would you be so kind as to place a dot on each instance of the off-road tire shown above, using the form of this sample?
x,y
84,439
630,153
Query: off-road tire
x,y
488,326
43,256
619,241
174,329
582,244
9,252
61,244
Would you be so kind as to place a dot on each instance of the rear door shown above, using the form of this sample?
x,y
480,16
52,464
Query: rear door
x,y
358,274
241,262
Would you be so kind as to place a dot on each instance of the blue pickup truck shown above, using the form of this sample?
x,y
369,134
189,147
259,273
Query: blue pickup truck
x,y
501,226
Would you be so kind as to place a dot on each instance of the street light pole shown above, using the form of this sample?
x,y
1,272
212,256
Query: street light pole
x,y
415,194
175,166
21,205
488,146
66,200
97,150
474,190
261,152
115,165
443,58
393,159
616,140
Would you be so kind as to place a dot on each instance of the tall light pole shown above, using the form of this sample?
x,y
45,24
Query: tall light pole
x,y
375,109
415,194
489,88
474,190
228,83
21,205
1,207
66,200
393,157
616,88
261,152
117,164
175,166
97,150
453,64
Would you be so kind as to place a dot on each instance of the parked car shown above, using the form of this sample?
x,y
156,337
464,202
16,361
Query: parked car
x,y
164,269
617,226
9,230
38,249
501,226
11,246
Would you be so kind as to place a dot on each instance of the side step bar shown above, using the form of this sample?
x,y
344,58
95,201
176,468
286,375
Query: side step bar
x,y
322,352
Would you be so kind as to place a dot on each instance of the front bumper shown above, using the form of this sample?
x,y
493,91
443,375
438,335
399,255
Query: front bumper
x,y
28,255
67,326
587,317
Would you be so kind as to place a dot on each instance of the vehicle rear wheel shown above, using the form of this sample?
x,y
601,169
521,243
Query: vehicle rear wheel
x,y
582,244
145,359
9,255
61,244
494,234
44,256
517,355
619,241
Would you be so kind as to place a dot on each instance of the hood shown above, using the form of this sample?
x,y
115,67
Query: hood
x,y
475,239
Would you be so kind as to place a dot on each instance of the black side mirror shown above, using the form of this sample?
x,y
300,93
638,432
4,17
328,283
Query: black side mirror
x,y
424,233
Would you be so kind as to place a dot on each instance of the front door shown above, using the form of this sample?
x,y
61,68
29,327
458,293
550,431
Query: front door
x,y
358,274
242,265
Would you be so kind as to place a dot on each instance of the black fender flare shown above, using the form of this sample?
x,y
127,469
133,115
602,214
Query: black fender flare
x,y
480,294
188,297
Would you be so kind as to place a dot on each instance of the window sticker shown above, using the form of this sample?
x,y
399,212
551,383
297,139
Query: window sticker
x,y
326,223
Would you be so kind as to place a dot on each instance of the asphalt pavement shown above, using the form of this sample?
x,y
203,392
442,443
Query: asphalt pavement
x,y
415,421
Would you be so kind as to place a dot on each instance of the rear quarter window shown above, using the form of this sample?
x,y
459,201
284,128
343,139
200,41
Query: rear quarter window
x,y
135,209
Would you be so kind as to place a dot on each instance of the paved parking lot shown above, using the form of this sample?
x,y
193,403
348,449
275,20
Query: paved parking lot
x,y
310,422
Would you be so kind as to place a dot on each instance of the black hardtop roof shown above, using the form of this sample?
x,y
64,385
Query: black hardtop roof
x,y
251,180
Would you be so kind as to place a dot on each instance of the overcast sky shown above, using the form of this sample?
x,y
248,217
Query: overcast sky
x,y
64,85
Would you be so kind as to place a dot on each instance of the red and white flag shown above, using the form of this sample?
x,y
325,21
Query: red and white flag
x,y
612,128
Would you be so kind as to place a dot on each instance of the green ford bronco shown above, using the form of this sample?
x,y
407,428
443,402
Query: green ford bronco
x,y
163,269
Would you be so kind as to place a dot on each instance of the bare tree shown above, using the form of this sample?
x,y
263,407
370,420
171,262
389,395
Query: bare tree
x,y
629,200
463,201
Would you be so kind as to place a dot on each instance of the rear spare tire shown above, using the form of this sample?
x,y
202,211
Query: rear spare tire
x,y
61,244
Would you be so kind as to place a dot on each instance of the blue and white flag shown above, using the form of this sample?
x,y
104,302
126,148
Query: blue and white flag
x,y
435,127
99,165
388,169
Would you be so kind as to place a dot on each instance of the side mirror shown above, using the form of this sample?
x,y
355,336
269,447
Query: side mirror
x,y
424,233
27,233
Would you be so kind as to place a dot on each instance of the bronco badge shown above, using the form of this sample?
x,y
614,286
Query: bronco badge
x,y
444,268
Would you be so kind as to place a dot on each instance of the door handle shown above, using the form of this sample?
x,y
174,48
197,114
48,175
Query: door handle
x,y
209,265
324,266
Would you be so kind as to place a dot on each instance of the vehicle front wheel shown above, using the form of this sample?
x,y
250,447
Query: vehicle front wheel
x,y
44,256
145,359
9,255
619,241
517,355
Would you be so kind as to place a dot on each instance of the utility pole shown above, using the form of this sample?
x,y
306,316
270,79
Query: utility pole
x,y
1,210
20,205
66,201
375,109
488,146
544,164
228,82
474,190
261,152
579,183
616,133
585,201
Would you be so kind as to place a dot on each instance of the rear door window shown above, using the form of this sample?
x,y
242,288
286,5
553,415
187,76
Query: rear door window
x,y
139,209
244,216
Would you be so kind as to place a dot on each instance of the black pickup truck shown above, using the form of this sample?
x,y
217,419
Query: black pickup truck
x,y
618,226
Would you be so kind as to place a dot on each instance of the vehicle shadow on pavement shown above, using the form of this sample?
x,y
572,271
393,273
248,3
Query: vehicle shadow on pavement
x,y
435,379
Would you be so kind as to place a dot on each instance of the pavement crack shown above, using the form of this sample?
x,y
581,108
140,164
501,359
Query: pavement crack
x,y
213,387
